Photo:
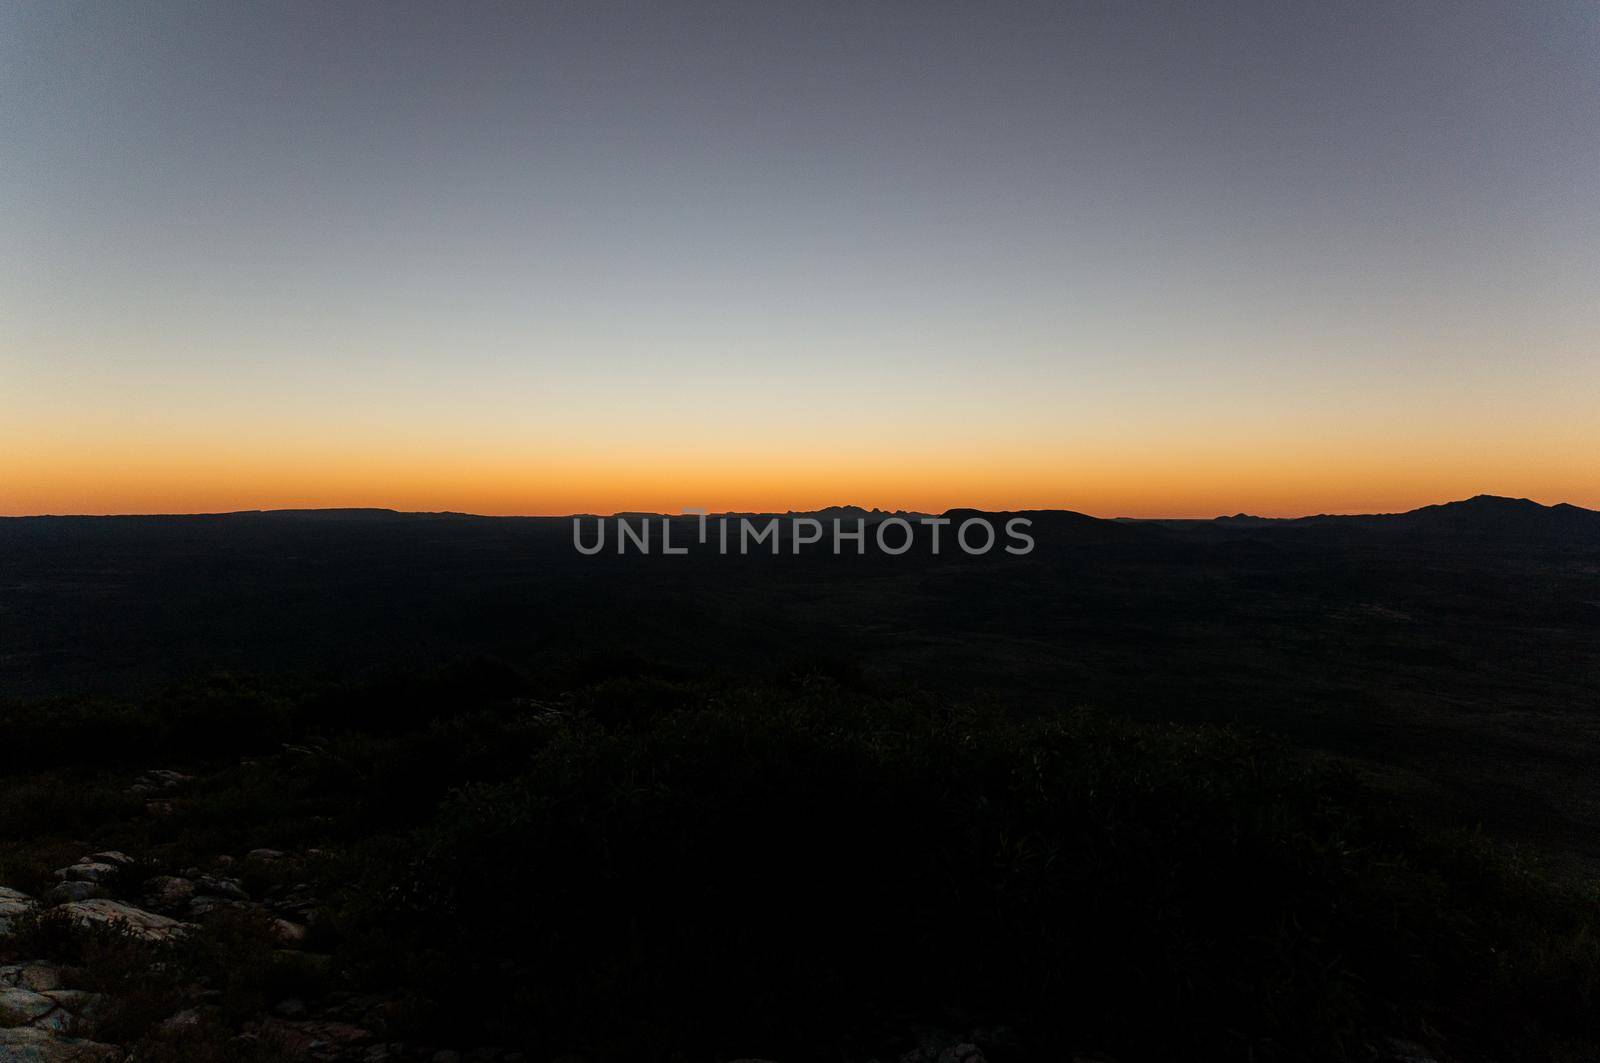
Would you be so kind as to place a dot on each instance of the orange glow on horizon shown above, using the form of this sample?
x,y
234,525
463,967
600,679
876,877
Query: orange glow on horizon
x,y
1201,484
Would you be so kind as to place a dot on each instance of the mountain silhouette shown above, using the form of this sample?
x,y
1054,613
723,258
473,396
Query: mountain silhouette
x,y
1494,516
1485,517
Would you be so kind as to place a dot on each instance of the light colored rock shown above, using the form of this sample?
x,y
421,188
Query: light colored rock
x,y
938,1047
90,872
962,1053
63,892
103,911
187,1019
28,1045
19,1007
13,903
288,933
110,856
205,905
39,977
1398,1050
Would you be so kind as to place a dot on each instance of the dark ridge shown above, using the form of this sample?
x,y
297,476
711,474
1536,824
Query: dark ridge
x,y
1481,513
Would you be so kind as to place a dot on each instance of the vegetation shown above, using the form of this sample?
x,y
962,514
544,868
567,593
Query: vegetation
x,y
651,864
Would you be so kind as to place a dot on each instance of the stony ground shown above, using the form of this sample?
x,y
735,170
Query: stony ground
x,y
99,967
59,1010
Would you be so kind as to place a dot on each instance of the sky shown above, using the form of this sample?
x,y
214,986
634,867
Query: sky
x,y
1125,258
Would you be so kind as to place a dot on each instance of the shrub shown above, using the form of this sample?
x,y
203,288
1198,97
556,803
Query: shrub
x,y
762,869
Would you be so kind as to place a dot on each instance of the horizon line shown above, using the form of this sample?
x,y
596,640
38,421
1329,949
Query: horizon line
x,y
754,512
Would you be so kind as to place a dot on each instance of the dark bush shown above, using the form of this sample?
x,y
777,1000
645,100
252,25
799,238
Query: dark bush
x,y
780,870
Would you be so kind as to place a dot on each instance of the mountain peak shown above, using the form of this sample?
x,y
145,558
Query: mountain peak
x,y
1497,502
1497,515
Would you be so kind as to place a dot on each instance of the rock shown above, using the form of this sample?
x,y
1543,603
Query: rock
x,y
446,1055
105,912
58,1021
71,1006
1398,1050
221,886
265,856
187,1019
75,1000
63,892
28,1045
13,903
90,872
19,1007
962,1053
168,892
39,977
288,933
110,856
935,1046
204,904
159,779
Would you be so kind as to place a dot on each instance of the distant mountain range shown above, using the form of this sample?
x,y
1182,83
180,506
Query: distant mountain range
x,y
1484,517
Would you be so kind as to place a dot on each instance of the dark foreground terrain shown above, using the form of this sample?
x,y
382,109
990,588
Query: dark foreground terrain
x,y
378,786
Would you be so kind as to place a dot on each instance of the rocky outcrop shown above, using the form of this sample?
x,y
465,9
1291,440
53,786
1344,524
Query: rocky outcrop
x,y
65,892
39,977
119,915
88,871
23,1007
35,1022
44,1017
30,1045
13,904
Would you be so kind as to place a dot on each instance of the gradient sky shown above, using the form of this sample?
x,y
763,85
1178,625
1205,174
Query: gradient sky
x,y
1140,259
